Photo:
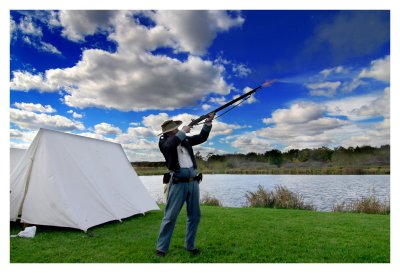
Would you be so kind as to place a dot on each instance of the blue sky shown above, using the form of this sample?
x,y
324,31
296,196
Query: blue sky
x,y
117,75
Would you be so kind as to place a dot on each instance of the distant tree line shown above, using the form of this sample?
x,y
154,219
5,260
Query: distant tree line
x,y
364,155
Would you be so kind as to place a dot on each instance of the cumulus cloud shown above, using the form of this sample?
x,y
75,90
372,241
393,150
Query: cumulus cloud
x,y
303,125
376,135
380,107
250,142
21,138
80,23
311,125
195,30
361,107
25,81
379,70
74,114
25,136
30,120
106,129
297,113
35,107
133,78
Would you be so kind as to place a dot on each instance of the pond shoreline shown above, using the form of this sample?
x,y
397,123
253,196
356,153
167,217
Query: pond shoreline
x,y
323,191
370,170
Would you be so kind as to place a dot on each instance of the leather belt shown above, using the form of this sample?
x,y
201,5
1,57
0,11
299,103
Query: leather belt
x,y
198,178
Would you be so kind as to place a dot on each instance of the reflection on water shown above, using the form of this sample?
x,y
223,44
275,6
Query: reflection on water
x,y
321,190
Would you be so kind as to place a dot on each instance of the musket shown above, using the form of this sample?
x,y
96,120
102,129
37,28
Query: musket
x,y
246,95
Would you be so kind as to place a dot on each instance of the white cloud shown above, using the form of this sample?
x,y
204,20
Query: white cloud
x,y
380,107
47,47
335,70
26,26
346,79
195,30
375,135
26,136
352,85
218,100
48,18
205,107
31,34
297,113
379,70
106,128
80,23
241,70
30,120
305,125
74,114
35,107
13,28
106,80
25,81
361,107
326,89
133,78
250,142
154,121
287,131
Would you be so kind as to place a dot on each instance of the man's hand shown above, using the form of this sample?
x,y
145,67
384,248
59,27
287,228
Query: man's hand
x,y
210,117
187,129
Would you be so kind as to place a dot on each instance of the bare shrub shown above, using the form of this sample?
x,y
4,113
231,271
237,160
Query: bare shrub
x,y
209,200
281,197
369,204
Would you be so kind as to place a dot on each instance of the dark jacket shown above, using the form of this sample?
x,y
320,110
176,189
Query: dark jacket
x,y
168,146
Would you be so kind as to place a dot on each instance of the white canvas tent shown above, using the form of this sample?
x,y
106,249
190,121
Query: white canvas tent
x,y
74,181
15,156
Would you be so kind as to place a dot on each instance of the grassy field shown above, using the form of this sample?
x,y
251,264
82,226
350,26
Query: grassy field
x,y
226,235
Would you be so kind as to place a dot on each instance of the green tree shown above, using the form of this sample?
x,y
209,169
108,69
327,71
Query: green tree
x,y
275,157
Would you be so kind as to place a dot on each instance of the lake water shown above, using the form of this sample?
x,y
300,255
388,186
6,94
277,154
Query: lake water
x,y
321,190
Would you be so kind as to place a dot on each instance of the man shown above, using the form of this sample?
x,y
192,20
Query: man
x,y
177,149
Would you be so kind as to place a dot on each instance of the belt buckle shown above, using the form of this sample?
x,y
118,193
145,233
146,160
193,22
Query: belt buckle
x,y
190,179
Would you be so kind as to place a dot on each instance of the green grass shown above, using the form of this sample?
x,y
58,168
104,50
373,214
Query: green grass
x,y
226,235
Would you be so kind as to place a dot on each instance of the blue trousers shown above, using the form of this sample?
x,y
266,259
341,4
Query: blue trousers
x,y
179,194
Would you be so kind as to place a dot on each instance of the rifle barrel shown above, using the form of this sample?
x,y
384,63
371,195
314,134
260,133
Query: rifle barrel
x,y
236,100
203,117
